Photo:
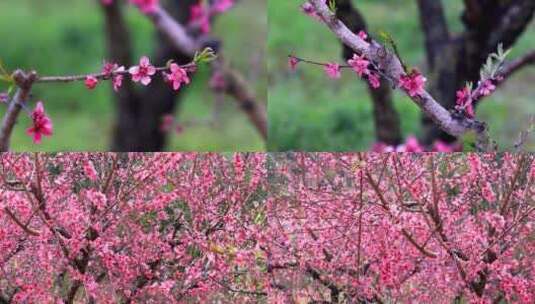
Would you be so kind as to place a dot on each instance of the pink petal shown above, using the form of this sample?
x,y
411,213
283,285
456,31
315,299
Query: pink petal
x,y
145,80
134,70
144,61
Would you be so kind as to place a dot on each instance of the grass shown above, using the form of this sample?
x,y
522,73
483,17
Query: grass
x,y
57,37
309,112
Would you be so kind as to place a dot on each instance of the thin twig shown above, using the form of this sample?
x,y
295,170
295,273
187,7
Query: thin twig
x,y
100,76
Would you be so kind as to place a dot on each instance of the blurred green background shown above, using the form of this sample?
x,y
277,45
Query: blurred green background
x,y
59,37
309,112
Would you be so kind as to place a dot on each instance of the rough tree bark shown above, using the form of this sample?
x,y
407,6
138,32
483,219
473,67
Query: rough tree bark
x,y
455,60
139,112
386,118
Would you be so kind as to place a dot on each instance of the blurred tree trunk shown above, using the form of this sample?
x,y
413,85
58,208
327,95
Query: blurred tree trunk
x,y
140,110
386,118
455,60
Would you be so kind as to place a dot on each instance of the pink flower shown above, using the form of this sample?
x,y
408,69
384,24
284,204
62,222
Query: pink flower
x,y
412,145
363,35
143,71
146,6
487,87
41,123
292,63
373,79
199,15
90,171
117,82
109,69
221,6
440,146
91,82
333,70
487,192
359,64
413,83
464,100
177,77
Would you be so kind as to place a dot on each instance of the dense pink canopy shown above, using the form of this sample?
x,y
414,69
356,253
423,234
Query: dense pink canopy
x,y
402,228
276,228
130,228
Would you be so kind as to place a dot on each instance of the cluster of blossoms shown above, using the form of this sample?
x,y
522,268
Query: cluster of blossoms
x,y
175,75
402,228
466,97
141,73
413,145
363,67
413,83
41,123
109,71
202,12
131,228
490,76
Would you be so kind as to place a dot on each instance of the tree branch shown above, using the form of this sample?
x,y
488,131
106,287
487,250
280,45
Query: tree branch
x,y
519,63
26,229
386,117
390,65
235,83
24,81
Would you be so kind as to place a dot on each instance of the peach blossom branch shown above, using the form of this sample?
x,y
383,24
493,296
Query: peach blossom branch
x,y
391,67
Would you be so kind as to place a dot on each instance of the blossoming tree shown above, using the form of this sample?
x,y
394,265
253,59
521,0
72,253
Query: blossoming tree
x,y
131,228
402,228
463,69
141,130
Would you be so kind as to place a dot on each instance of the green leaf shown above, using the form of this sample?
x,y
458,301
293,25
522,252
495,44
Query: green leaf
x,y
332,6
388,40
205,55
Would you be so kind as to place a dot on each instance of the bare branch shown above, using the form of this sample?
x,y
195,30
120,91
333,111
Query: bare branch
x,y
517,64
26,229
